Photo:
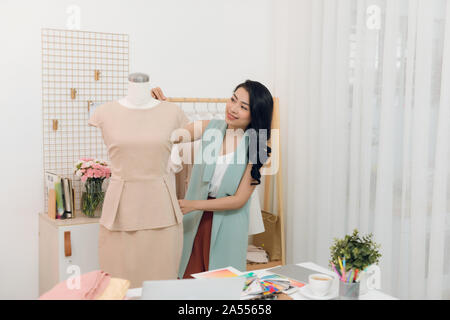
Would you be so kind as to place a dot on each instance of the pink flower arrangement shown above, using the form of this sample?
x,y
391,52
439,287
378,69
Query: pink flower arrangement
x,y
90,168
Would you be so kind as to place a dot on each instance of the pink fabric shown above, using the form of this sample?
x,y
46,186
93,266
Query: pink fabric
x,y
92,285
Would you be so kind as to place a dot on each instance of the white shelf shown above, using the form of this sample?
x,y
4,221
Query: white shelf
x,y
80,218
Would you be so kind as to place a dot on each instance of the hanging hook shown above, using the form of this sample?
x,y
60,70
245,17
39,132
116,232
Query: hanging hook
x,y
195,110
89,102
217,113
97,75
55,124
73,93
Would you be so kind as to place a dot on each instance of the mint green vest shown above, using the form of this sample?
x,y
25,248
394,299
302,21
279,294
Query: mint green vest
x,y
229,234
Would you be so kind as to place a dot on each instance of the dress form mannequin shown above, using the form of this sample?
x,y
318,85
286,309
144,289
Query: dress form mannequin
x,y
141,217
139,95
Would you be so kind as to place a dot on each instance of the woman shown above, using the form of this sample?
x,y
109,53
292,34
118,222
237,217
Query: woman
x,y
216,206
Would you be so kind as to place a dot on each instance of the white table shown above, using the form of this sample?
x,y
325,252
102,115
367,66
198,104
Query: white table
x,y
370,295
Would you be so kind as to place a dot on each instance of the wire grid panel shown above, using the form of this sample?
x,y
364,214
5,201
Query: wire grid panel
x,y
80,70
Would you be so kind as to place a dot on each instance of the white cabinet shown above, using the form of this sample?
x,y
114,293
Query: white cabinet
x,y
66,248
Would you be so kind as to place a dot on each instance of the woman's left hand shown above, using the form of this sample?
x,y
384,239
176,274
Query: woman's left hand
x,y
158,94
186,206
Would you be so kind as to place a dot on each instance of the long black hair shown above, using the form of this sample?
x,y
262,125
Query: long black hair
x,y
261,110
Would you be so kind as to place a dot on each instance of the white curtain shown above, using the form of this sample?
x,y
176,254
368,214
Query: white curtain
x,y
364,88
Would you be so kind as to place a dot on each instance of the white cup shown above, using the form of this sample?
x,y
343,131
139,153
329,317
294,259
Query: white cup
x,y
320,284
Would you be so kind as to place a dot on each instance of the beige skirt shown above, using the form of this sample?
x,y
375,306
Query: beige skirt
x,y
141,255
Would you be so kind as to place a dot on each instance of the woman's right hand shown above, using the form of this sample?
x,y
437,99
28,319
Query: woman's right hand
x,y
158,94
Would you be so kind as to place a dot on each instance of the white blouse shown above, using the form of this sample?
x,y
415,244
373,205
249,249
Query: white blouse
x,y
175,165
221,166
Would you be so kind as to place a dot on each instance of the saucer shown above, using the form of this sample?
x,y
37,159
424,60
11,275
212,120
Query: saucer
x,y
306,291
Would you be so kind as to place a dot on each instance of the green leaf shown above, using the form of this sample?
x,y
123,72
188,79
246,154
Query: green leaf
x,y
359,251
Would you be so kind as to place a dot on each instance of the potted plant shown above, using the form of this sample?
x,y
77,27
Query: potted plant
x,y
352,255
92,173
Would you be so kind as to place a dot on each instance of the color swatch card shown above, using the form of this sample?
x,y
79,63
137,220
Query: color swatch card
x,y
257,287
228,272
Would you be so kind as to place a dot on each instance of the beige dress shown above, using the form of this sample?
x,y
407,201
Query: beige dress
x,y
141,235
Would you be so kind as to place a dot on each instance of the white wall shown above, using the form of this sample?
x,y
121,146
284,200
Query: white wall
x,y
195,48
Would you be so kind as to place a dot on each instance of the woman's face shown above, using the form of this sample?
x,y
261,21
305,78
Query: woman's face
x,y
237,114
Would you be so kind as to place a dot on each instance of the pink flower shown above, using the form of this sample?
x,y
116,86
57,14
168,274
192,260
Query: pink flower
x,y
90,173
87,168
97,174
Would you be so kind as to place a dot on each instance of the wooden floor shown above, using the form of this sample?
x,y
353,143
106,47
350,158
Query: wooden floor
x,y
258,266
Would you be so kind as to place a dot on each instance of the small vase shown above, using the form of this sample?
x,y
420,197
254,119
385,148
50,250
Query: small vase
x,y
348,291
92,197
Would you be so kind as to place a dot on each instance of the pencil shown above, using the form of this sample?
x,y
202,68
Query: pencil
x,y
359,275
350,276
334,268
342,269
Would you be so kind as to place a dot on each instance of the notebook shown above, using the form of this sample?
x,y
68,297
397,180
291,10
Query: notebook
x,y
293,272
